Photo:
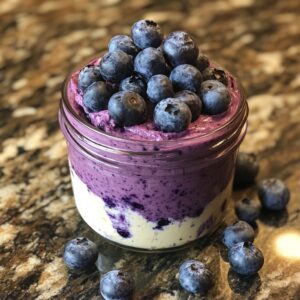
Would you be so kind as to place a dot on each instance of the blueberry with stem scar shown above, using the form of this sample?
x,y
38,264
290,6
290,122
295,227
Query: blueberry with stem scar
x,y
146,33
172,115
127,108
195,277
179,48
245,259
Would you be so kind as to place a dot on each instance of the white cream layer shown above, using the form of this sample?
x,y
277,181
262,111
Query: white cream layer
x,y
95,213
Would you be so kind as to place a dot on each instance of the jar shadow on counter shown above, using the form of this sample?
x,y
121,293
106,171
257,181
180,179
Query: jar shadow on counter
x,y
243,285
274,218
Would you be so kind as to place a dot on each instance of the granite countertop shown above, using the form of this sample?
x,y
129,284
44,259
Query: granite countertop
x,y
41,41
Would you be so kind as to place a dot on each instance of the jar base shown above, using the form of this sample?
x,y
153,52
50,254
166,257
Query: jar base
x,y
197,242
139,233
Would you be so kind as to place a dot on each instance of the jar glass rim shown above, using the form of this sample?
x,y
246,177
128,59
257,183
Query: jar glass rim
x,y
66,104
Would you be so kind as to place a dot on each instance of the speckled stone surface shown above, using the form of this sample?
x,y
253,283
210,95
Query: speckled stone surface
x,y
41,41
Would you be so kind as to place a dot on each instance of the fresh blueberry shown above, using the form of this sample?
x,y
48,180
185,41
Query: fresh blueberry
x,y
172,115
246,169
247,210
245,259
134,83
273,194
195,277
238,232
179,48
150,62
215,97
202,62
124,43
146,33
96,96
80,253
115,66
88,75
116,285
159,87
193,102
211,73
127,108
186,77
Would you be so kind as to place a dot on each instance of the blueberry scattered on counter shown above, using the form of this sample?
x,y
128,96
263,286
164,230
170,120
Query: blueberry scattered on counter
x,y
240,231
127,108
186,77
179,48
273,194
172,115
192,101
215,97
124,43
80,253
246,169
195,277
159,87
96,96
116,285
202,62
245,259
116,65
88,75
212,73
149,62
134,83
247,210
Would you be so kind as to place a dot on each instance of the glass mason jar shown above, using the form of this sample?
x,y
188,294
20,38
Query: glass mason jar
x,y
151,195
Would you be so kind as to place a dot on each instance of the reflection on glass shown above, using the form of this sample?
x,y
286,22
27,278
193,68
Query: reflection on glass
x,y
288,244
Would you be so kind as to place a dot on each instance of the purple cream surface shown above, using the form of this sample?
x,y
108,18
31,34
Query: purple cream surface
x,y
159,193
146,131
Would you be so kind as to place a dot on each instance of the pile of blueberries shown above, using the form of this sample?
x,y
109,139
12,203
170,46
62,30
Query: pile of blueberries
x,y
194,276
148,77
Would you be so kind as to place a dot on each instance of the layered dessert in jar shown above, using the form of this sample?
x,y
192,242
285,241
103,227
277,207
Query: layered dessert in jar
x,y
153,129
